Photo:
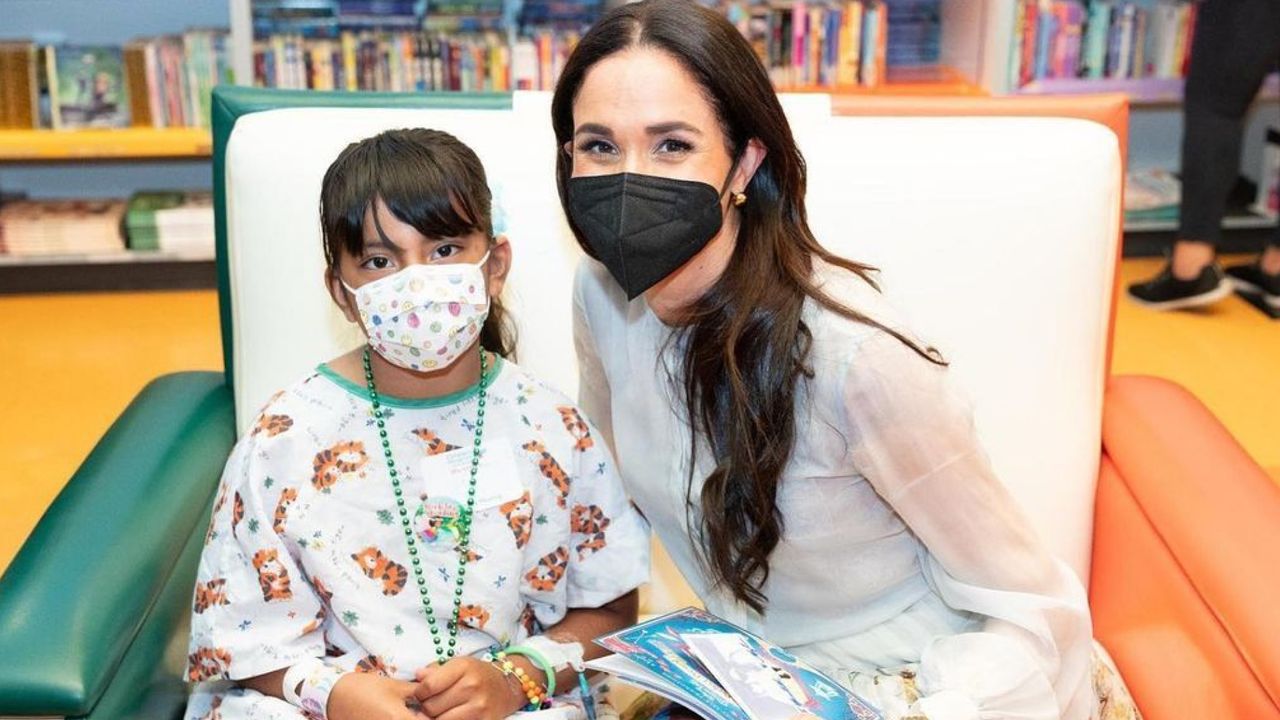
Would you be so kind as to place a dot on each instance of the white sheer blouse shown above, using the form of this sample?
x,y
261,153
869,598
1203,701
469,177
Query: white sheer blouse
x,y
901,550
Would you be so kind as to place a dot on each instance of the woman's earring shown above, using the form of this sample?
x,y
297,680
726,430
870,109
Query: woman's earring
x,y
739,199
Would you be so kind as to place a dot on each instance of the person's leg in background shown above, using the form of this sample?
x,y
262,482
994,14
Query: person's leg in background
x,y
1261,277
1236,45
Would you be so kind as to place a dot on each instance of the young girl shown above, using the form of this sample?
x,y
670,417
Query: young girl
x,y
420,502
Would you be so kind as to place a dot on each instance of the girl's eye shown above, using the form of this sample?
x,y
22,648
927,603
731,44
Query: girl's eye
x,y
377,262
673,145
446,251
597,147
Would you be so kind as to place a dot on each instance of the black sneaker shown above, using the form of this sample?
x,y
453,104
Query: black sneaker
x,y
1250,280
1166,292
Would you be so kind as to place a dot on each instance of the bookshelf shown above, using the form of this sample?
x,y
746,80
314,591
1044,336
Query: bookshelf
x,y
1152,78
1001,69
104,145
956,72
105,163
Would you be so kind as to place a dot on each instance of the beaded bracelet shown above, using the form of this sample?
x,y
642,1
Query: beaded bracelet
x,y
537,658
530,688
565,655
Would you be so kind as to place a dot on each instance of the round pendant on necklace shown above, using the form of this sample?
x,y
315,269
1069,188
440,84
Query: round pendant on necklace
x,y
439,520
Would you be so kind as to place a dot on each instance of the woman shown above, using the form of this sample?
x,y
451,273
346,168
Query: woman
x,y
799,453
1236,44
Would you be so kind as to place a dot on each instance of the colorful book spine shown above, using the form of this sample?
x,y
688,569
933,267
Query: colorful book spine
x,y
1094,50
816,38
1058,43
135,75
1046,29
51,75
19,85
1030,40
1192,13
1137,64
1073,16
867,65
882,43
850,44
1014,68
1124,53
799,37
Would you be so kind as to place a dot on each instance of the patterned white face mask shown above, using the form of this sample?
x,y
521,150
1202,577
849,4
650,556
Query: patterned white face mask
x,y
425,316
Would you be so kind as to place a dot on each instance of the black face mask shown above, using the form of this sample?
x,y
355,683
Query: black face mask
x,y
642,227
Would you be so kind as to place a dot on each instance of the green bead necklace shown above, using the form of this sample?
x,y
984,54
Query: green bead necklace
x,y
464,520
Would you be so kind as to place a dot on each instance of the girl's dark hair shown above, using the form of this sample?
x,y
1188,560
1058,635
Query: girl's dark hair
x,y
745,346
428,179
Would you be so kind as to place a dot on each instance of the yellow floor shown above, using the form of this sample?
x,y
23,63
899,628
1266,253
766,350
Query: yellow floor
x,y
72,362
1227,354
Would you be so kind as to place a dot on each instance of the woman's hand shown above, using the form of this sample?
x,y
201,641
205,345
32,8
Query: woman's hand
x,y
368,696
466,688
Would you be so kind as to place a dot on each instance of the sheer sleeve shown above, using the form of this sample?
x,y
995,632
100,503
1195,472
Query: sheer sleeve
x,y
913,438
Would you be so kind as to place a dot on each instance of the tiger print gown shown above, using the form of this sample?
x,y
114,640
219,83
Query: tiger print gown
x,y
305,555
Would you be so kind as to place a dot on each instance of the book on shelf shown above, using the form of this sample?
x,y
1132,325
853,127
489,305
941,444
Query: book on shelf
x,y
149,82
61,227
1100,39
176,222
19,88
915,33
722,672
1151,194
173,221
86,87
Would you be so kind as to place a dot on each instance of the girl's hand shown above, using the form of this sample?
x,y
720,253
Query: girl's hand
x,y
367,696
466,688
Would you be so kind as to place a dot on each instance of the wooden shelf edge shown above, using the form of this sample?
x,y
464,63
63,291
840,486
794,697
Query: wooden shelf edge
x,y
940,80
104,144
123,257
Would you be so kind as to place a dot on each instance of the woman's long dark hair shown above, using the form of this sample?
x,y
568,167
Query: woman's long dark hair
x,y
745,345
428,179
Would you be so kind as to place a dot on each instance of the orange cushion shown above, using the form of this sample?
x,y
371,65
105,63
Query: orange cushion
x,y
1186,541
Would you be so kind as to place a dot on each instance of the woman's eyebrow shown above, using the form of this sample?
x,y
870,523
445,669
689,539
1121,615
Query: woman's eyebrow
x,y
593,129
666,127
657,129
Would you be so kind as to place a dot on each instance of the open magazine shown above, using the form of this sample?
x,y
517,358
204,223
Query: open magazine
x,y
722,672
